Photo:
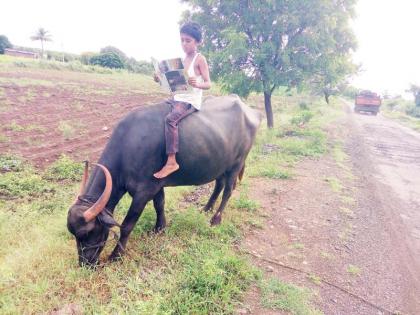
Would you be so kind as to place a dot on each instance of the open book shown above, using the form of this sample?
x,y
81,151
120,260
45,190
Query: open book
x,y
172,75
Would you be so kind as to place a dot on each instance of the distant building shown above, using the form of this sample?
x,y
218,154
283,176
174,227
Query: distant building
x,y
20,53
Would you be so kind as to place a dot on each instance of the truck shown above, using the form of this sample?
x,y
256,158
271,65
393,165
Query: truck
x,y
367,101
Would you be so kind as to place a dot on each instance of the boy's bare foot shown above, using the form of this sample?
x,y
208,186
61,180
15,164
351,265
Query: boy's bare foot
x,y
168,169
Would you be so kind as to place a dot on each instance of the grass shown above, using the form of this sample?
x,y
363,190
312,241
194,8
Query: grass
x,y
354,270
64,168
281,296
335,184
192,268
67,129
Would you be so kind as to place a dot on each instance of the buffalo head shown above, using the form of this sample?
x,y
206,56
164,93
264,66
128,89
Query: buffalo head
x,y
89,221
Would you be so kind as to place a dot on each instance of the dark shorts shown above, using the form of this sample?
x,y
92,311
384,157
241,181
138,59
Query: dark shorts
x,y
179,110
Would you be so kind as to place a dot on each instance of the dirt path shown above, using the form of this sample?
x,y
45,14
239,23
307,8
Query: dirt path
x,y
353,221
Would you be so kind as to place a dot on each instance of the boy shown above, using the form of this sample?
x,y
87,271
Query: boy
x,y
184,104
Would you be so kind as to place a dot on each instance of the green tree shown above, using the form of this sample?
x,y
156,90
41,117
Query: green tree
x,y
114,50
108,60
415,90
259,45
331,75
4,43
43,36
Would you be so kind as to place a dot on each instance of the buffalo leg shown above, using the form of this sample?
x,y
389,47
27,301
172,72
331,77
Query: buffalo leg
x,y
218,187
130,220
159,204
227,192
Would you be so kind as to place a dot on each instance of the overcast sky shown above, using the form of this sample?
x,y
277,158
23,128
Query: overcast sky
x,y
387,31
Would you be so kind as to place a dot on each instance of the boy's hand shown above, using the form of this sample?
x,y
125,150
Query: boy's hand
x,y
193,82
156,78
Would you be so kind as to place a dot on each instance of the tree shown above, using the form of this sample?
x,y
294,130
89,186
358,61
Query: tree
x,y
415,90
108,60
257,45
114,50
4,43
43,36
332,75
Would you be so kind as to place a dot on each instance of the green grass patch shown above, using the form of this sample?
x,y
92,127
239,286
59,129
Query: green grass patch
x,y
335,184
18,180
65,168
190,269
11,163
67,129
354,270
281,296
245,203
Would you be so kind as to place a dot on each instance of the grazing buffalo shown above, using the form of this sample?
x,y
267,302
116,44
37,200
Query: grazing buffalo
x,y
214,144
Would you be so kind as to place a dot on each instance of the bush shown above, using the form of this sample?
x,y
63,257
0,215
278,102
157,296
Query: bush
x,y
86,56
4,43
413,111
108,60
302,118
135,66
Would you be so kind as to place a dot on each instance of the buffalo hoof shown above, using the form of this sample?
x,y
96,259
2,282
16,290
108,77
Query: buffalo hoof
x,y
216,219
207,208
159,229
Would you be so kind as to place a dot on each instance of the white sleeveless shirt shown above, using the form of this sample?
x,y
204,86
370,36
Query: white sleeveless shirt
x,y
195,96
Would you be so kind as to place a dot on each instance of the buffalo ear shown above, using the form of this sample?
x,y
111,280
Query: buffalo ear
x,y
107,219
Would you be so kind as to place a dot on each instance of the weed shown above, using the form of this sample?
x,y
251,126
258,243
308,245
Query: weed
x,y
315,279
302,118
297,246
335,184
278,295
244,203
354,270
18,184
14,126
346,211
11,163
326,255
274,173
3,138
67,130
64,168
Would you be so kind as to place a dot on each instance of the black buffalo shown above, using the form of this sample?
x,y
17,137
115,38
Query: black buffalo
x,y
214,144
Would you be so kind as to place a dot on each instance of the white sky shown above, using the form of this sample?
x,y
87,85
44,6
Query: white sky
x,y
387,31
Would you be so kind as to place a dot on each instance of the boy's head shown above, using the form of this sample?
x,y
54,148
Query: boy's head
x,y
191,36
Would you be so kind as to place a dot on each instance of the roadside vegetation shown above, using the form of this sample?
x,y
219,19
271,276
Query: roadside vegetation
x,y
405,111
191,268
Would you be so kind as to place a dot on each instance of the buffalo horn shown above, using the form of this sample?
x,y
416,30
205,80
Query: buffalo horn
x,y
99,205
84,180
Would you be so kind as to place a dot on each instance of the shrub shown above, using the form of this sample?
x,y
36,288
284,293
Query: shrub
x,y
4,43
302,118
108,60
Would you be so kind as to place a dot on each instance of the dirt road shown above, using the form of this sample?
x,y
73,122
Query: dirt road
x,y
353,221
395,153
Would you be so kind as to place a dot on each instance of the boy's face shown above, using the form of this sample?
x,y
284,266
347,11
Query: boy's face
x,y
189,44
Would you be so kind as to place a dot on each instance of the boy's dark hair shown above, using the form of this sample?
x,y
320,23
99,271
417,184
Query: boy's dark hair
x,y
192,29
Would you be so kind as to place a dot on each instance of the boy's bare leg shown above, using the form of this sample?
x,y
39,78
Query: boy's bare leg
x,y
170,167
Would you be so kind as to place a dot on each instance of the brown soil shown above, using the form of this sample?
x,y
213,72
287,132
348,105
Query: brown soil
x,y
372,222
88,108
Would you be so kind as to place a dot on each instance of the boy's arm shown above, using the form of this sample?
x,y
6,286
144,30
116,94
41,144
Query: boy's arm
x,y
205,74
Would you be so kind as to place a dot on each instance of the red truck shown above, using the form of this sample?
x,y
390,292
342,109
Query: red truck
x,y
367,101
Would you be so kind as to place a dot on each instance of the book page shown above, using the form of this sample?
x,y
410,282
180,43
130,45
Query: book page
x,y
163,81
172,75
